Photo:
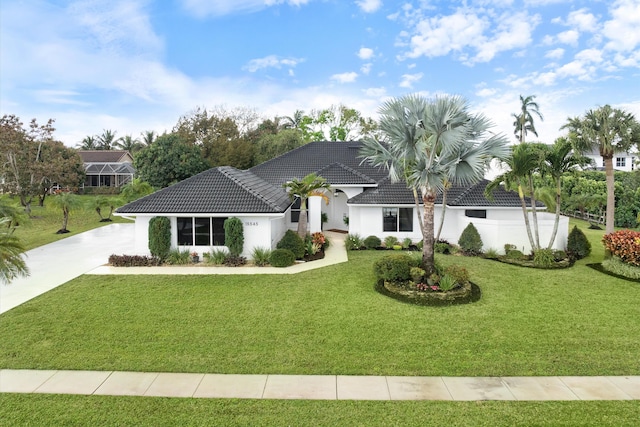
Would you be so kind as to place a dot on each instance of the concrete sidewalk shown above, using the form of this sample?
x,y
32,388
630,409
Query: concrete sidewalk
x,y
319,387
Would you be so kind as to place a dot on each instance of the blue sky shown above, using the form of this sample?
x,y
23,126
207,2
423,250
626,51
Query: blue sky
x,y
137,65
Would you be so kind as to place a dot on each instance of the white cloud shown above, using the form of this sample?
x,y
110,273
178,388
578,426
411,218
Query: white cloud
x,y
345,77
365,53
409,79
485,92
375,92
203,8
513,31
270,61
366,68
582,20
622,30
555,53
569,37
589,55
369,6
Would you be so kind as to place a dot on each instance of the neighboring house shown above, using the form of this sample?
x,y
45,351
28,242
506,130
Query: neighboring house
x,y
622,161
107,168
362,201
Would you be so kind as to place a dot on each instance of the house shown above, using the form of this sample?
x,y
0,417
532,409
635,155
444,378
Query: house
x,y
622,160
107,168
363,201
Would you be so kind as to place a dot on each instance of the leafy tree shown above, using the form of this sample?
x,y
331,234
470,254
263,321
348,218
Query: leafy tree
x,y
336,123
66,202
168,160
135,189
128,143
310,185
273,145
608,130
427,143
524,120
12,264
62,167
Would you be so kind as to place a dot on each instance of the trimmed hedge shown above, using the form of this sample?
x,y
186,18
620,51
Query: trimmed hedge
x,y
160,237
395,267
292,242
372,242
282,258
470,241
578,245
134,261
234,236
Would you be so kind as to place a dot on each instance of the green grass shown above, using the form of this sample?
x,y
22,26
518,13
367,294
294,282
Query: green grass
x,y
331,321
142,411
45,221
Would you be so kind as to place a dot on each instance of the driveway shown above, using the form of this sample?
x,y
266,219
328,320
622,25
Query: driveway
x,y
56,263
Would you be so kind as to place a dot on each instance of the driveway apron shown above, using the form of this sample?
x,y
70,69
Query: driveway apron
x,y
56,263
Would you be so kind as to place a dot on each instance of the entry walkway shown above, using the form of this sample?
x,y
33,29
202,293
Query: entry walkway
x,y
319,387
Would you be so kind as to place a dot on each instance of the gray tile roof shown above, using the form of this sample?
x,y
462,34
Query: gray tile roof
x,y
337,173
317,155
105,156
218,190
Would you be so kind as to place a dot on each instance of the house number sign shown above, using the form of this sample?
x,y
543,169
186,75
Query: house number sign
x,y
251,223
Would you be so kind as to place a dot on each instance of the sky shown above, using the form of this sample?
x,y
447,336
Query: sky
x,y
139,65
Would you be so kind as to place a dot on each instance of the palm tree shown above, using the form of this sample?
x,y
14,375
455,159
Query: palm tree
x,y
67,202
12,264
524,121
128,143
310,185
293,122
89,143
12,215
148,137
524,162
559,160
107,140
427,143
609,130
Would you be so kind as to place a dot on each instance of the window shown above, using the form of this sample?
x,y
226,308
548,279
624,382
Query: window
x,y
200,231
621,162
475,213
295,210
397,219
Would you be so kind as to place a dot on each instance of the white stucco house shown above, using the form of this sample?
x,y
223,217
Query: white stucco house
x,y
626,161
373,205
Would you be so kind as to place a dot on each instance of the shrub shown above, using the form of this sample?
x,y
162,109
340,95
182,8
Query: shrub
x,y
178,257
160,237
417,274
406,242
292,242
508,247
442,248
234,236
390,241
282,258
395,267
319,238
353,242
134,261
447,282
470,241
491,253
616,266
312,248
215,257
372,242
559,255
624,244
543,258
260,256
234,261
458,273
578,246
515,254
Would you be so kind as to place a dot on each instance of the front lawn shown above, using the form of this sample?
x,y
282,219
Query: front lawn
x,y
331,321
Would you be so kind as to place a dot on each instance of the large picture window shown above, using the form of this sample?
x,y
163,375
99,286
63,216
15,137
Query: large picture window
x,y
295,210
200,231
397,219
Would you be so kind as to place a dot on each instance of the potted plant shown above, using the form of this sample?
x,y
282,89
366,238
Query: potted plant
x,y
195,258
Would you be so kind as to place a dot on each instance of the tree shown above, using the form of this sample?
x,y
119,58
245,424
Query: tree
x,y
62,168
13,215
608,130
428,142
12,265
148,137
310,185
66,202
135,189
128,143
524,120
100,203
168,160
107,140
89,143
273,145
559,160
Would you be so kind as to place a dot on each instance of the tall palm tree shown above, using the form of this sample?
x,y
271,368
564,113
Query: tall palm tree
x,y
310,185
128,143
66,202
559,160
524,120
107,140
89,143
524,162
608,130
12,264
148,137
293,122
429,142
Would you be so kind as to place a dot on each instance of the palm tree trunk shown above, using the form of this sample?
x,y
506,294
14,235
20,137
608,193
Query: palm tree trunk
x,y
428,201
527,224
611,197
557,217
65,219
534,214
444,207
302,220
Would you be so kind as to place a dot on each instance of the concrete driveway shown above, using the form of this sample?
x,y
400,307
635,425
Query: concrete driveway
x,y
56,263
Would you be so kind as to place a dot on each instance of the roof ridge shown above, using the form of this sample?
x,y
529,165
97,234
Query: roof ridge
x,y
231,173
348,169
466,191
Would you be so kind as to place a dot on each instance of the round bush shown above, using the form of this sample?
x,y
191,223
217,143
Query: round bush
x,y
578,245
282,258
395,267
372,242
470,241
293,242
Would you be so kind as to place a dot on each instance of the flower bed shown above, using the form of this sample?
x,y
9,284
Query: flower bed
x,y
462,294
